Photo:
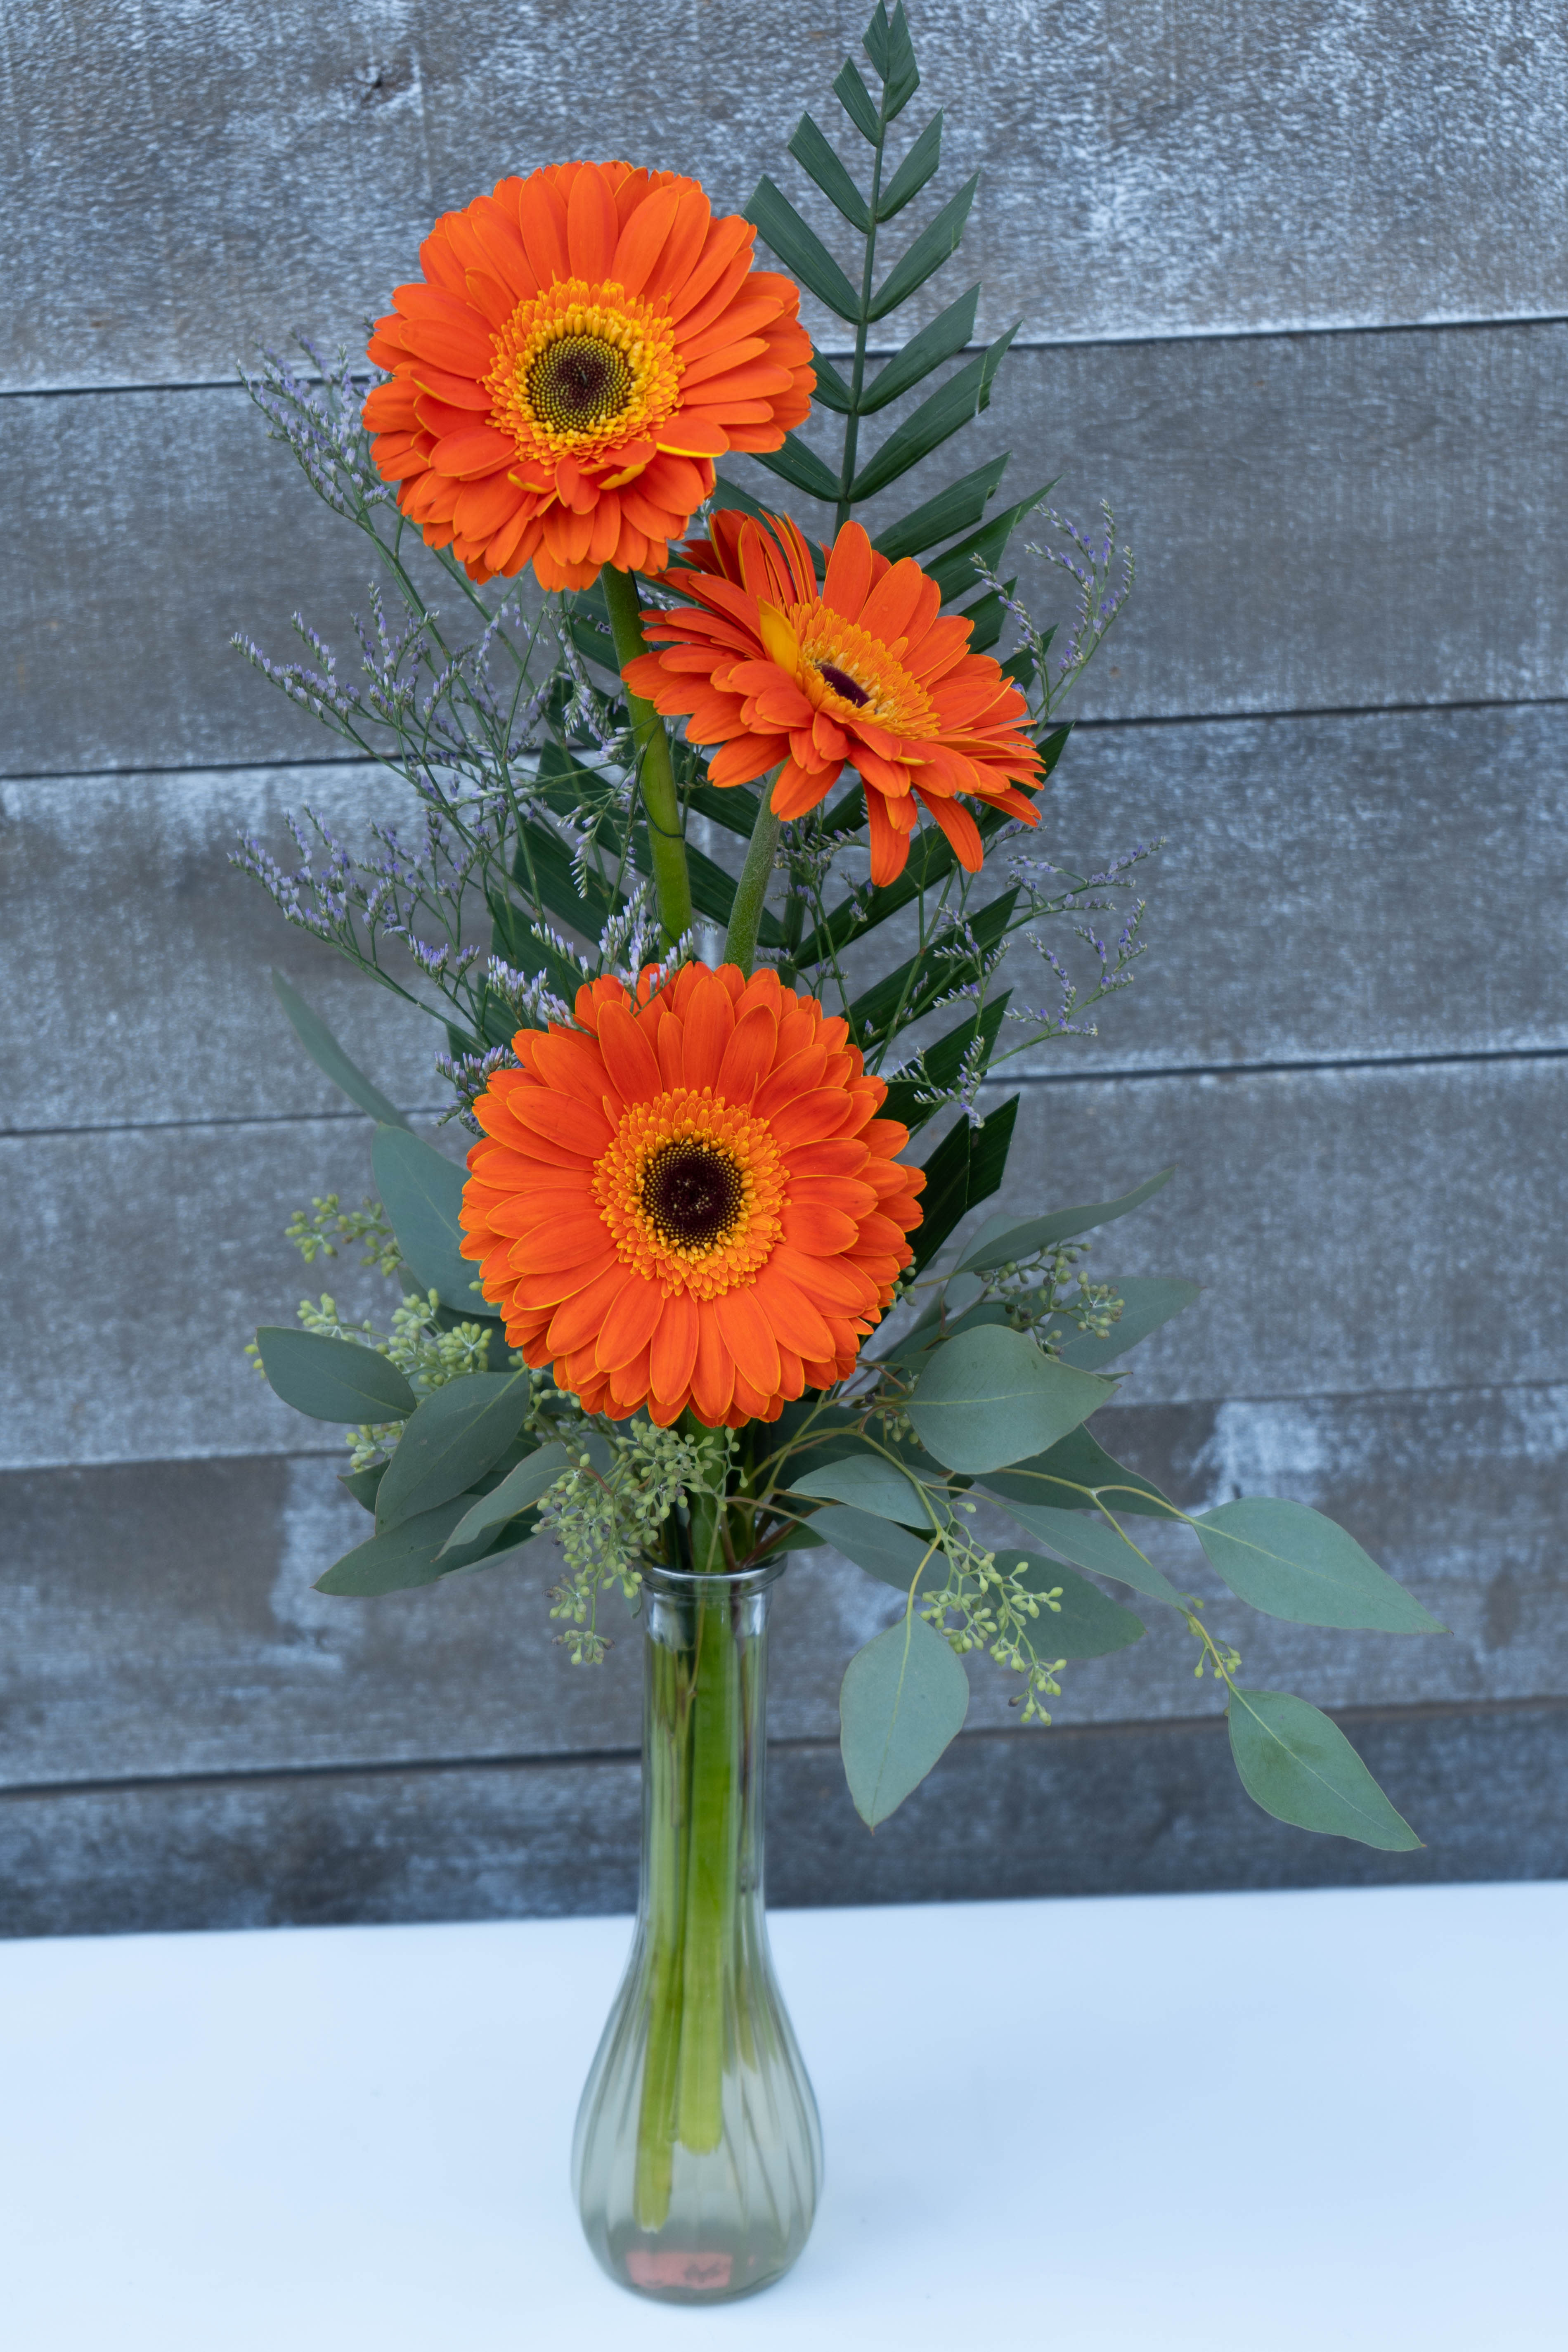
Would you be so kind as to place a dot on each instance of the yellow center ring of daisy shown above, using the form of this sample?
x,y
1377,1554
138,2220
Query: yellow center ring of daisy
x,y
860,672
692,1193
579,368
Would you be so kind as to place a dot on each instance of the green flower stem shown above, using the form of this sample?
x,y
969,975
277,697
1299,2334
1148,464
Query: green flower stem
x,y
655,772
712,1870
667,1799
693,1860
746,913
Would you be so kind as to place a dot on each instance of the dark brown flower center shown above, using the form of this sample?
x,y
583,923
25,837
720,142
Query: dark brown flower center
x,y
842,683
578,382
692,1193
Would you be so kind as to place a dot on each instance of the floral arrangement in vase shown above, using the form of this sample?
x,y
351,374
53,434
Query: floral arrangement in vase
x,y
724,887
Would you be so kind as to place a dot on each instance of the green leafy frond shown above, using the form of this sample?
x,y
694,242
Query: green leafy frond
x,y
851,289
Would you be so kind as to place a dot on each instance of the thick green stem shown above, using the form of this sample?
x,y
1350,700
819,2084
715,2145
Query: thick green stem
x,y
713,1864
656,771
668,1765
694,1798
746,913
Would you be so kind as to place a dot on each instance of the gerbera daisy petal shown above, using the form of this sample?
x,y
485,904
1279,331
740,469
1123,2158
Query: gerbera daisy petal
x,y
710,1025
866,670
693,1236
629,1324
575,1322
750,1338
628,1055
590,332
672,1353
713,1370
747,1055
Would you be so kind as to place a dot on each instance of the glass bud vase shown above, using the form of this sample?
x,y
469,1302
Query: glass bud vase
x,y
698,2154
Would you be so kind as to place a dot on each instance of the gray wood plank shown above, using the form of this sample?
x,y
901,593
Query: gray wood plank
x,y
132,941
1356,1229
1411,899
1129,1810
1322,522
1150,169
157,1620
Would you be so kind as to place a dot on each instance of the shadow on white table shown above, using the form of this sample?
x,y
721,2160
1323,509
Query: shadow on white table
x,y
1263,2121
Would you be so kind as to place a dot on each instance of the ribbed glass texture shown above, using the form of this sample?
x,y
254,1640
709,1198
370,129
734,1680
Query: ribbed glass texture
x,y
698,2155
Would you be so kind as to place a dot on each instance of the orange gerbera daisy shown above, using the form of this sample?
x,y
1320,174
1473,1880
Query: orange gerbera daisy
x,y
689,1198
865,672
584,345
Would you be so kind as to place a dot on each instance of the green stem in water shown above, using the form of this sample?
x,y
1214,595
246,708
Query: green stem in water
x,y
712,1870
694,1852
668,1801
746,913
656,771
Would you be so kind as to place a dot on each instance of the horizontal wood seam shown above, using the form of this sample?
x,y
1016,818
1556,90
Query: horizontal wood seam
x,y
1156,1074
1126,725
1074,1734
1282,331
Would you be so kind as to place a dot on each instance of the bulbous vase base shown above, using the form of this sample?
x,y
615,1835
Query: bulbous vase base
x,y
698,2154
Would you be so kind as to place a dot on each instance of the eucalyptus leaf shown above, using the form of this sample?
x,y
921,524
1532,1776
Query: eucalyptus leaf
x,y
1090,1543
401,1558
802,1538
329,1056
362,1483
1147,1301
1289,1562
1001,1242
422,1192
870,1484
456,1435
518,1491
332,1380
511,1556
903,1700
1084,1623
1075,1473
883,1548
1299,1767
989,1397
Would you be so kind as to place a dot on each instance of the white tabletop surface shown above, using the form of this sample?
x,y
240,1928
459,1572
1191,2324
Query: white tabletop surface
x,y
1266,2121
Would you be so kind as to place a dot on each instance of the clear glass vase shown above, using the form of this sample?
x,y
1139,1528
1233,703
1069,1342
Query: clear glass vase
x,y
698,2155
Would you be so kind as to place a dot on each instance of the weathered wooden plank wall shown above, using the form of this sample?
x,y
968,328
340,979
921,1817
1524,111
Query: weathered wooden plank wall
x,y
1339,693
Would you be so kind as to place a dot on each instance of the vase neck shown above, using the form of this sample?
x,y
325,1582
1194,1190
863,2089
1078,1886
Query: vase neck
x,y
704,1741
